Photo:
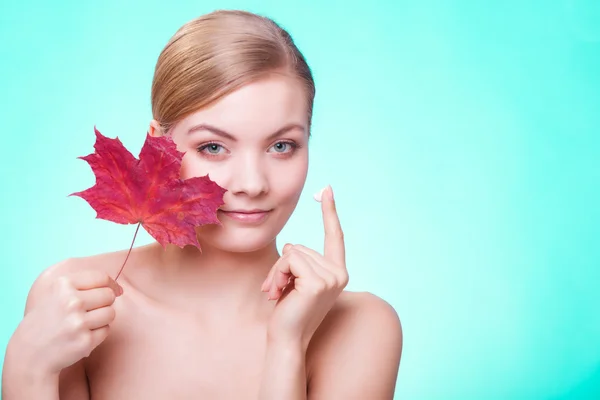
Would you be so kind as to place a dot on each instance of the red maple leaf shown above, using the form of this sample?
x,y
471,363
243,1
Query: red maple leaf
x,y
149,191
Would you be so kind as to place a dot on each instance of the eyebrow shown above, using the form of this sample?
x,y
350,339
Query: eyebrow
x,y
226,135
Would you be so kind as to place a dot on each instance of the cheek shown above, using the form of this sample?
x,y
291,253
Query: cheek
x,y
186,170
192,166
287,181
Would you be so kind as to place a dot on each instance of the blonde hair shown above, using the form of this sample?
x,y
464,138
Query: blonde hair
x,y
217,53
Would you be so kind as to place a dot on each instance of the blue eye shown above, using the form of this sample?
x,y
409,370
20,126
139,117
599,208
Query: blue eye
x,y
211,148
283,147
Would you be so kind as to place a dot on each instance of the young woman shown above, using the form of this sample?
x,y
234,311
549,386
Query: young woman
x,y
237,320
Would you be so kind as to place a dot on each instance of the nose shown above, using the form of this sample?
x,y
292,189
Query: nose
x,y
249,178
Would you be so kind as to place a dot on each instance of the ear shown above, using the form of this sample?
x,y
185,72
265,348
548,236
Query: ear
x,y
154,129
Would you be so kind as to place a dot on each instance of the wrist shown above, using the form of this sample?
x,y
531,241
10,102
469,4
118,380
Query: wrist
x,y
284,371
285,355
23,364
288,344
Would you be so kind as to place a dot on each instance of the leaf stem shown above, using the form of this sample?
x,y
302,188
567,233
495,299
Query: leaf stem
x,y
129,252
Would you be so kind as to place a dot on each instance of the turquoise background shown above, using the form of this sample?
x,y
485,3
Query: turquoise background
x,y
461,138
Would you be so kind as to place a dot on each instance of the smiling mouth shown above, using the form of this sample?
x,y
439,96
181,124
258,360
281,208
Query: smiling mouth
x,y
247,216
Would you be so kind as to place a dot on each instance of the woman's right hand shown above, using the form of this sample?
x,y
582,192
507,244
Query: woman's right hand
x,y
70,321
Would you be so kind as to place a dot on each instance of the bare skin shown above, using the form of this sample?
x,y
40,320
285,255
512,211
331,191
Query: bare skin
x,y
157,351
222,323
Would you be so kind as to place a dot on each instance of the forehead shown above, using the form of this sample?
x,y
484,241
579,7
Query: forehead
x,y
257,109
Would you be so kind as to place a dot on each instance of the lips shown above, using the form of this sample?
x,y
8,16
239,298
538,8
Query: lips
x,y
253,216
242,211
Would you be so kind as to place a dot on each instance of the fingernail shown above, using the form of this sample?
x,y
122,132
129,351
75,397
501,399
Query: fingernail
x,y
318,196
330,192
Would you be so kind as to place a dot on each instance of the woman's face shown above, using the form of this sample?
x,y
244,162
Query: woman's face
x,y
254,143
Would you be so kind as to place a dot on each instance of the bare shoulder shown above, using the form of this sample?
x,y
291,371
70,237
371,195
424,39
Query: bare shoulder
x,y
366,305
360,341
362,316
105,263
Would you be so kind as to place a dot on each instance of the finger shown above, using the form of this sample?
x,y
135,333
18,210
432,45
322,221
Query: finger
x,y
314,255
328,271
267,282
284,279
95,279
316,261
292,265
334,237
286,248
287,290
98,335
280,280
97,298
99,317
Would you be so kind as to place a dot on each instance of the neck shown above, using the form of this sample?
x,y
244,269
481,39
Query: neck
x,y
229,281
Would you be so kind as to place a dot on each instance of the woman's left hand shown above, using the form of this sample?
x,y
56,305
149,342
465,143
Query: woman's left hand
x,y
305,283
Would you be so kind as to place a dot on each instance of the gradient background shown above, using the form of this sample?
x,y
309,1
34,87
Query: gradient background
x,y
461,138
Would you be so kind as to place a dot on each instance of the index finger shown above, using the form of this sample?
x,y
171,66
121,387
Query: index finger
x,y
334,236
92,279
